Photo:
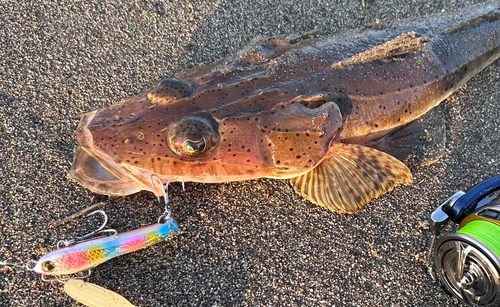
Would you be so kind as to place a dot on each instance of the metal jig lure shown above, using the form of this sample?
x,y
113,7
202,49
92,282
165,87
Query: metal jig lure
x,y
84,253
88,254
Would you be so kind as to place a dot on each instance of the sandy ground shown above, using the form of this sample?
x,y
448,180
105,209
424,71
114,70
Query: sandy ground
x,y
252,243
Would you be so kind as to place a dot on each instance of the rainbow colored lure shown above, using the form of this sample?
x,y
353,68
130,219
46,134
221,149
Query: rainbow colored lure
x,y
88,254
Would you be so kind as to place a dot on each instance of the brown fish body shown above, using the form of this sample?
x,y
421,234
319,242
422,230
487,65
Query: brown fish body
x,y
288,110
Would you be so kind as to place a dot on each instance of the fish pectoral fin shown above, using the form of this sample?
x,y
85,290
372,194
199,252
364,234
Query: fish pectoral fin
x,y
350,176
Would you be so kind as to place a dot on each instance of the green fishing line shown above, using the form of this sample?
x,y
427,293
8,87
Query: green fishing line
x,y
486,232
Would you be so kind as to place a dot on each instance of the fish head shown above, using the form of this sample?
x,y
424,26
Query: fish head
x,y
233,133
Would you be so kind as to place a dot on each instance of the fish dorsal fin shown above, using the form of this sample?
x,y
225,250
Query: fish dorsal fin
x,y
170,90
262,51
397,47
350,176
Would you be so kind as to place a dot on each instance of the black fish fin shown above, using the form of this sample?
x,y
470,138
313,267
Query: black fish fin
x,y
350,176
419,142
170,90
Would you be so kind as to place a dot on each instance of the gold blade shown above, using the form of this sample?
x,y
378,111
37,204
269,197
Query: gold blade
x,y
92,295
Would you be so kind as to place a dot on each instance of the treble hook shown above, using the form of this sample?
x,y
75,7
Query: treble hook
x,y
90,234
64,279
165,191
166,215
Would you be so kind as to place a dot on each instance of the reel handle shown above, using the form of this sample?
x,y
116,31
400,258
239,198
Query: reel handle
x,y
467,203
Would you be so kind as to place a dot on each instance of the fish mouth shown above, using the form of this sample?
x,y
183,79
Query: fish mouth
x,y
94,169
94,176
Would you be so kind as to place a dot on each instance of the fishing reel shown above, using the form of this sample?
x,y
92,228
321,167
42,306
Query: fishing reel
x,y
468,261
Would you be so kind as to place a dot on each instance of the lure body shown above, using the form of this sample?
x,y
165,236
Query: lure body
x,y
88,254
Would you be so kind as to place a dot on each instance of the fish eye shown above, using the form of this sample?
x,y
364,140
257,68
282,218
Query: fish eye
x,y
193,136
194,147
48,266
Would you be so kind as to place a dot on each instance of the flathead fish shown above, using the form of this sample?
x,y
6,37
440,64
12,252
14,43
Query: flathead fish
x,y
312,110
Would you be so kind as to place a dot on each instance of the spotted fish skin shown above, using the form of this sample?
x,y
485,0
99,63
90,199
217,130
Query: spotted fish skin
x,y
275,109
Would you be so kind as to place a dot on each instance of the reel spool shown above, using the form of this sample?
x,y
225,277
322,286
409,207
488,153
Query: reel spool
x,y
469,268
468,261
